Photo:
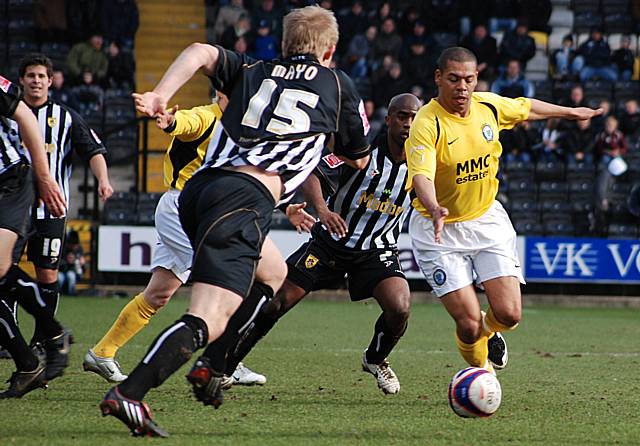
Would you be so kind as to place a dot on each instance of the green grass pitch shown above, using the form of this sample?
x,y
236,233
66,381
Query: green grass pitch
x,y
572,379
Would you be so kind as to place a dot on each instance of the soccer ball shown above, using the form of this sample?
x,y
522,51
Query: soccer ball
x,y
474,392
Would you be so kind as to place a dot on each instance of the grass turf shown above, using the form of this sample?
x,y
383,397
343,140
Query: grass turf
x,y
571,380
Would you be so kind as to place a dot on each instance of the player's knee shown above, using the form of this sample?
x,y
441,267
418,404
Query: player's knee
x,y
510,317
469,329
157,299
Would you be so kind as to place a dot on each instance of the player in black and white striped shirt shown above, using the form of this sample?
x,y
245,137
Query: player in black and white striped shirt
x,y
357,237
64,132
271,137
16,197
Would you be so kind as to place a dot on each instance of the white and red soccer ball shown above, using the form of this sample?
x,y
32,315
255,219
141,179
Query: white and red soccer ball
x,y
474,392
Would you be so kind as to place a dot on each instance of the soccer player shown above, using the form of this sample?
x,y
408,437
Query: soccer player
x,y
357,236
64,131
460,232
16,197
191,131
270,139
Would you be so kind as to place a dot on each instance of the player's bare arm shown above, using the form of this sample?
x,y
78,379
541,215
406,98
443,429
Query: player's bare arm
x,y
193,58
98,166
48,189
334,223
426,192
299,218
545,110
358,164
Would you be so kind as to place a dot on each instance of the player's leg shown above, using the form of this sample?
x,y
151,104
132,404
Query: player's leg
x,y
503,315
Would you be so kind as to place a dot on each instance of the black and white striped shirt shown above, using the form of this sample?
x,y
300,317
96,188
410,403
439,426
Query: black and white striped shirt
x,y
11,151
280,114
372,201
64,131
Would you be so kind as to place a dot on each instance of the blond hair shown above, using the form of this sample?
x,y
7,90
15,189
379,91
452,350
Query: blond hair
x,y
309,30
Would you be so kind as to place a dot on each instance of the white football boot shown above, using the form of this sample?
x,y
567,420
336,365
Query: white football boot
x,y
244,376
108,368
387,380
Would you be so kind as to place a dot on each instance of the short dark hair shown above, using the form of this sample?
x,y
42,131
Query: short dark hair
x,y
36,59
456,54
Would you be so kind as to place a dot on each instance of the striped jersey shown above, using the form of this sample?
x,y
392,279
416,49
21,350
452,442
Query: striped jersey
x,y
11,150
191,131
372,201
64,131
281,113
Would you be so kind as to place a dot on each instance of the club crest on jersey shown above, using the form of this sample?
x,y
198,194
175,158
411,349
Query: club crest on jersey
x,y
311,261
439,277
52,121
487,132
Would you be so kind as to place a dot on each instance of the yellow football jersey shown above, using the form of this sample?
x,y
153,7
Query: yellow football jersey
x,y
191,133
461,155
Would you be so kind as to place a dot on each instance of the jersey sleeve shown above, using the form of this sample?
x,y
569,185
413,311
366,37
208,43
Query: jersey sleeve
x,y
84,141
10,95
191,124
329,171
228,69
420,148
510,111
353,126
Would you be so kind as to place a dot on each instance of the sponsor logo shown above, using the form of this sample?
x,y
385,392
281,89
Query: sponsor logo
x,y
311,261
487,132
473,169
332,161
5,84
376,204
439,277
52,121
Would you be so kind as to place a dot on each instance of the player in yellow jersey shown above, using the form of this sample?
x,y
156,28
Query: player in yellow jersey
x,y
460,233
191,130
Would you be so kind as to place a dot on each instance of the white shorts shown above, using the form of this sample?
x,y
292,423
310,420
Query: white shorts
x,y
173,249
480,250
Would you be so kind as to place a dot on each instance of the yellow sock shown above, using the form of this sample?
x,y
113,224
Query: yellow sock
x,y
133,318
475,354
490,322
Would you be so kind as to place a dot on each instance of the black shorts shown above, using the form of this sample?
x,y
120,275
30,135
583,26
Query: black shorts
x,y
45,241
321,263
226,216
16,199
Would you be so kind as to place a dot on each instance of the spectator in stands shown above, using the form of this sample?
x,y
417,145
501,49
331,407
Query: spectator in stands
x,y
482,85
538,13
273,16
485,48
390,85
357,61
563,58
265,45
121,68
239,29
120,21
418,65
576,97
88,96
598,122
407,20
72,264
579,141
611,146
630,118
351,24
518,143
241,45
512,83
419,33
381,14
473,12
550,149
503,15
228,16
58,91
594,59
387,42
88,56
623,59
376,121
517,44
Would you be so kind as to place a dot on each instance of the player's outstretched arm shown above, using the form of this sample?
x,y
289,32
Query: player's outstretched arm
x,y
299,218
426,192
98,166
196,56
545,110
334,223
48,189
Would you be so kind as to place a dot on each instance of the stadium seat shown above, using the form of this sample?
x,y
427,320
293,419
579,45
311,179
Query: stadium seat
x,y
524,209
580,170
622,231
581,188
549,171
598,90
528,227
519,170
522,189
552,190
562,90
615,7
618,23
544,90
585,6
555,207
584,21
557,34
624,90
560,17
558,227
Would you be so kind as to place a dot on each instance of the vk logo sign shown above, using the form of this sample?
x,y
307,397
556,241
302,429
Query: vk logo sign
x,y
582,260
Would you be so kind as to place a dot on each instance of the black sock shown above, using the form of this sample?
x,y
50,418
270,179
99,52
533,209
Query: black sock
x,y
217,351
12,340
29,298
50,294
384,339
168,352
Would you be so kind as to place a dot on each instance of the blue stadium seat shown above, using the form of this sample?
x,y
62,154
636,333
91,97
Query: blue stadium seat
x,y
622,231
580,170
528,227
558,227
549,171
552,190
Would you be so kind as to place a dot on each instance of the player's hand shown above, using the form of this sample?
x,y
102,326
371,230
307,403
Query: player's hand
x,y
150,103
166,118
582,113
105,191
334,223
50,193
438,215
299,218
